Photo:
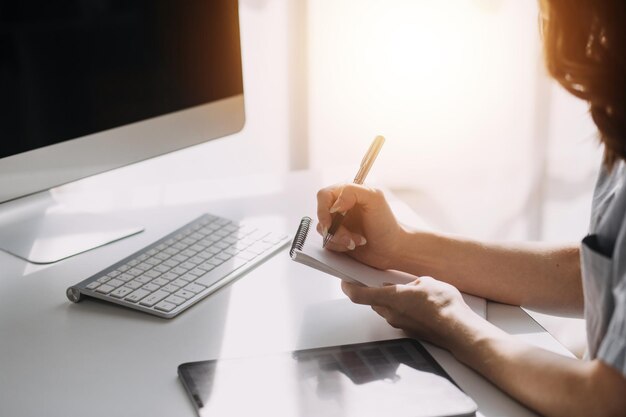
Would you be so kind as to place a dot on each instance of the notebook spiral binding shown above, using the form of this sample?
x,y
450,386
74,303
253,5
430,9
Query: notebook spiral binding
x,y
301,234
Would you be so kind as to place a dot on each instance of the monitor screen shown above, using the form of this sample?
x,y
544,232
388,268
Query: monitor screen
x,y
76,67
87,86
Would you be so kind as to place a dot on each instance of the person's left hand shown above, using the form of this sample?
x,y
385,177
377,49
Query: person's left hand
x,y
426,308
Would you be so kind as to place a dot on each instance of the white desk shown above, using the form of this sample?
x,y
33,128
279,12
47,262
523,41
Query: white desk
x,y
98,359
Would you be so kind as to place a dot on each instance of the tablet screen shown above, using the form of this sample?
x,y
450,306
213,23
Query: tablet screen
x,y
394,377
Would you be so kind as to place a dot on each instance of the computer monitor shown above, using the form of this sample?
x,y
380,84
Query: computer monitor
x,y
89,86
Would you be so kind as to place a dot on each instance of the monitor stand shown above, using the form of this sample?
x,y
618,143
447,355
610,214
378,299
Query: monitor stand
x,y
40,230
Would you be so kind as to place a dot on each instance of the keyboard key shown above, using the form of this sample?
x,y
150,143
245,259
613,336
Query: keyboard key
x,y
121,292
169,276
179,246
213,226
221,233
144,279
189,253
104,289
233,250
188,241
191,263
188,277
179,258
113,274
201,257
162,268
134,284
184,294
178,271
180,282
215,261
223,256
125,277
197,272
154,298
150,287
165,306
92,285
207,266
221,245
135,272
171,263
153,261
115,283
160,281
137,295
195,288
161,256
174,299
152,273
198,247
213,250
196,236
103,279
215,275
144,266
170,288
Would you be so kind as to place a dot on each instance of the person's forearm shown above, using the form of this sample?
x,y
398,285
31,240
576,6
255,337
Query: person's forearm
x,y
549,383
530,274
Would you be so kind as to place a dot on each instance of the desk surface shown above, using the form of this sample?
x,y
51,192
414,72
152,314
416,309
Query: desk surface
x,y
98,359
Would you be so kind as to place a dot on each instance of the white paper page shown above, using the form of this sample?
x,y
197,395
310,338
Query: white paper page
x,y
367,275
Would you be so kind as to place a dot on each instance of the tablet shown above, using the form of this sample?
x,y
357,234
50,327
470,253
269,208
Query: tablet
x,y
386,378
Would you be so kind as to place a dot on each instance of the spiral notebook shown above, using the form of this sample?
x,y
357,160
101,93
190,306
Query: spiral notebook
x,y
306,249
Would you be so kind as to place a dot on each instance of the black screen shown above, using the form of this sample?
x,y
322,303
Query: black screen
x,y
75,67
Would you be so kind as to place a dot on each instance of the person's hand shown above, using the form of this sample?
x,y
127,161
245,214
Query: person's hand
x,y
369,232
426,308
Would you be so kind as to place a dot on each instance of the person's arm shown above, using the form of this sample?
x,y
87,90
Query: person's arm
x,y
549,383
538,275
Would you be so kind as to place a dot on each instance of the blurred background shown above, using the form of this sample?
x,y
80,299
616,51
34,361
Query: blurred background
x,y
479,140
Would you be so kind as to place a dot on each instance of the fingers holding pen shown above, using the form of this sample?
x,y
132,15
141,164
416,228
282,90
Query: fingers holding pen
x,y
326,198
336,200
343,240
340,198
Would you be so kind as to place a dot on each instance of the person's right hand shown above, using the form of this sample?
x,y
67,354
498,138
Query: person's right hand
x,y
369,232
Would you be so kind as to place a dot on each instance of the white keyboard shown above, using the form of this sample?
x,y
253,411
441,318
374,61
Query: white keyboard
x,y
185,266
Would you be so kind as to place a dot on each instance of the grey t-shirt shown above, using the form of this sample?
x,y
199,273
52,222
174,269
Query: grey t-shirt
x,y
603,261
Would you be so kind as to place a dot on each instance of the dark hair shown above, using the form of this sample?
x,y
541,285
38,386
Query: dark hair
x,y
585,48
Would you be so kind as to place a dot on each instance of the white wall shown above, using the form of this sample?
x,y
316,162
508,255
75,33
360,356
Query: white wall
x,y
453,87
457,88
